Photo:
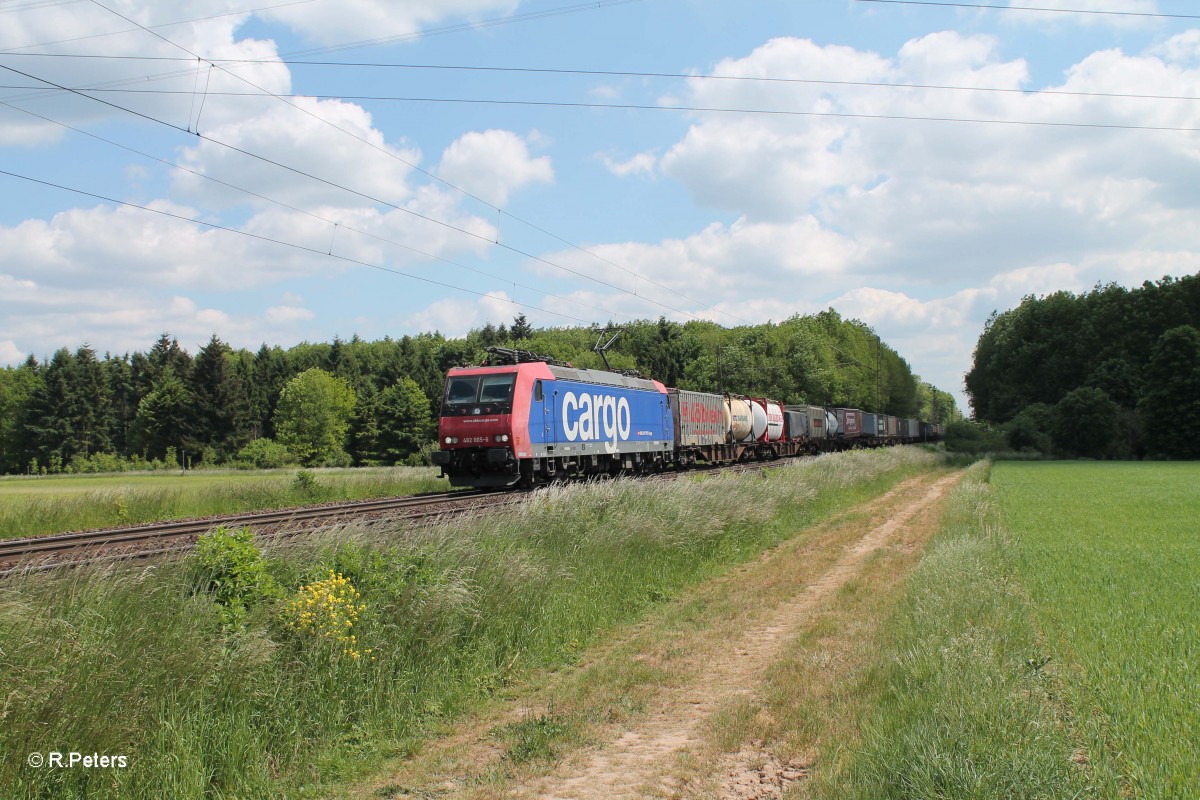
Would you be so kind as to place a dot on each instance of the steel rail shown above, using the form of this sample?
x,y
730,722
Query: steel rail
x,y
14,553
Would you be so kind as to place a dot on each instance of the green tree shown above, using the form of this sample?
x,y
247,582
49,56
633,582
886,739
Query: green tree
x,y
1085,423
1030,429
161,424
521,329
313,417
67,413
17,386
405,420
1170,409
220,417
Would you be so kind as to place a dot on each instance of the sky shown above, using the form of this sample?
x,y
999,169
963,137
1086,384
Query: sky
x,y
279,171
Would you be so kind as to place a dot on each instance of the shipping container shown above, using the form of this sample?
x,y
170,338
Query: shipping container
x,y
795,424
816,419
849,422
700,419
874,425
741,419
774,416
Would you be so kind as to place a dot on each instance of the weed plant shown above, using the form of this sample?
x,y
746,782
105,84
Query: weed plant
x,y
31,507
150,663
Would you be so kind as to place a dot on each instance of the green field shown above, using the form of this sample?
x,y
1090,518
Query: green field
x,y
1048,645
1110,555
59,503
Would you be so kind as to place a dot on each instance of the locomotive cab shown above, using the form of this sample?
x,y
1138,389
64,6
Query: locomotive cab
x,y
475,428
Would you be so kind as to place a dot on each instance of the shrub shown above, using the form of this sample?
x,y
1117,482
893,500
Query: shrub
x,y
1030,429
266,454
306,482
1085,423
228,566
965,436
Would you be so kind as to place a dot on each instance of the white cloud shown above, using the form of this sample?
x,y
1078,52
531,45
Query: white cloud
x,y
283,315
9,354
455,316
640,164
492,164
1111,13
333,154
178,106
1182,49
1038,280
378,20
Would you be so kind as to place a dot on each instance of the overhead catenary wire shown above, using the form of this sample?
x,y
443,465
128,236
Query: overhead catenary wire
x,y
602,73
355,192
443,181
313,215
271,240
675,108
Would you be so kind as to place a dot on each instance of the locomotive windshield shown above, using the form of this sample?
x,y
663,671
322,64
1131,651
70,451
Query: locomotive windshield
x,y
471,395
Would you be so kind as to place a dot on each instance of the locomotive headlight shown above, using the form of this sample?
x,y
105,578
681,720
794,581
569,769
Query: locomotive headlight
x,y
501,437
448,440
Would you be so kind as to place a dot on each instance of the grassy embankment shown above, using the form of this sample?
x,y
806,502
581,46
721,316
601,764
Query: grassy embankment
x,y
208,703
54,504
1046,646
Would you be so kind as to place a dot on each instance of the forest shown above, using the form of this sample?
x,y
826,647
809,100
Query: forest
x,y
357,402
1110,373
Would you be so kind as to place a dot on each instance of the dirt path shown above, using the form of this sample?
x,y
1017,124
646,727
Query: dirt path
x,y
632,765
638,758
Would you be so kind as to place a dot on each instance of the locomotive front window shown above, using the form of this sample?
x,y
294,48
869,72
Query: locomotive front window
x,y
462,390
476,395
496,388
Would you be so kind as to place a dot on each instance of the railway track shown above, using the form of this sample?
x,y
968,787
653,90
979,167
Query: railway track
x,y
48,552
40,553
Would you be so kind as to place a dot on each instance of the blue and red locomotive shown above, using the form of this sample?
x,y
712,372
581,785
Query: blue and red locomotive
x,y
531,419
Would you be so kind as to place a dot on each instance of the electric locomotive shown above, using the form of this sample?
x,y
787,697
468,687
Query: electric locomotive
x,y
528,419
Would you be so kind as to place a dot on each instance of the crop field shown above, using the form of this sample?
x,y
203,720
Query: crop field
x,y
1110,554
59,503
1048,645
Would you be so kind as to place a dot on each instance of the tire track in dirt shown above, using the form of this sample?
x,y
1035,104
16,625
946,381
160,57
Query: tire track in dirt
x,y
633,765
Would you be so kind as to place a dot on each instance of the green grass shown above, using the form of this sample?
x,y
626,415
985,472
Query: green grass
x,y
1048,645
137,662
55,504
1110,553
959,703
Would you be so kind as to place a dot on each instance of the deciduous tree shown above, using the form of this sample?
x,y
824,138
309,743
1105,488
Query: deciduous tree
x,y
313,417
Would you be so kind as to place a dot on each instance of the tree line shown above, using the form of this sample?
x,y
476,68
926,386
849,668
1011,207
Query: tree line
x,y
1113,372
376,402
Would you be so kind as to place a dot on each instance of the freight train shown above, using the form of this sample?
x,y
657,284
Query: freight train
x,y
529,419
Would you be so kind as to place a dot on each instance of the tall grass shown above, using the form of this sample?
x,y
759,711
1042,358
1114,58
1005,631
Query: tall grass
x,y
965,704
53,505
1111,555
143,663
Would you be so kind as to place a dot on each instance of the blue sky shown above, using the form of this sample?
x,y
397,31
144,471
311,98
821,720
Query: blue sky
x,y
569,173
